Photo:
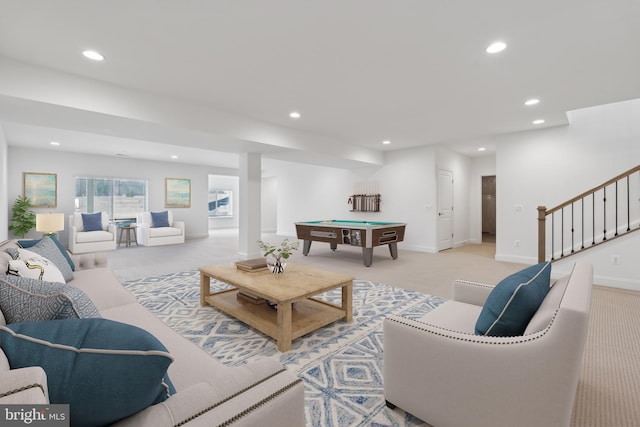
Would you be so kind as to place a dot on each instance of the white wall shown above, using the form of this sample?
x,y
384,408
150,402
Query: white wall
x,y
269,206
550,166
69,165
407,183
226,182
4,202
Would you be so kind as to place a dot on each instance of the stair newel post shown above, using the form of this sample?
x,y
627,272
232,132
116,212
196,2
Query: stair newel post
x,y
542,219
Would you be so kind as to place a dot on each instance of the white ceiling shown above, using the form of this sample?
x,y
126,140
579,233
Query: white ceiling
x,y
359,71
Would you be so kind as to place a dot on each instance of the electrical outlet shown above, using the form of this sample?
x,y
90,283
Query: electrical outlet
x,y
615,259
516,243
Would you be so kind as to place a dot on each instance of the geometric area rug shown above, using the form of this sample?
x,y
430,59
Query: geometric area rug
x,y
340,364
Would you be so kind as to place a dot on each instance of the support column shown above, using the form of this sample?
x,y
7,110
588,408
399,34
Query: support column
x,y
250,201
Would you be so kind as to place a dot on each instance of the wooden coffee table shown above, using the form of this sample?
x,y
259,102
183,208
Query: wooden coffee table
x,y
298,284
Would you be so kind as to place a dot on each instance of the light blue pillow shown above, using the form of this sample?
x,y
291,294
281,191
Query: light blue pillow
x,y
92,221
513,302
104,370
160,219
50,250
26,244
29,300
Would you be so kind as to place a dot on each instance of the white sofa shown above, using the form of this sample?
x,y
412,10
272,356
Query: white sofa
x,y
209,393
148,235
81,241
437,369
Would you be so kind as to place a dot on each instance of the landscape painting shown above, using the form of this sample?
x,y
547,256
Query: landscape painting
x,y
177,193
41,189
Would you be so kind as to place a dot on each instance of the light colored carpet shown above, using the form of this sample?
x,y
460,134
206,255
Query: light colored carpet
x,y
610,383
609,390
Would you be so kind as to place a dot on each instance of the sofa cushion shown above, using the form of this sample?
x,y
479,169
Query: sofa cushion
x,y
164,232
92,221
105,370
37,267
94,236
160,219
454,315
26,244
549,307
513,302
28,300
48,249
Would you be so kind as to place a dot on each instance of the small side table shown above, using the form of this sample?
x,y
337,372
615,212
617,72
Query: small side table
x,y
127,230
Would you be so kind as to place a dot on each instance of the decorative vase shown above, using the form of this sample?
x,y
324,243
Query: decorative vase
x,y
276,263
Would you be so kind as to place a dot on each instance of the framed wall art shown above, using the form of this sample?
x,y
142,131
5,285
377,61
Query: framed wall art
x,y
177,193
41,189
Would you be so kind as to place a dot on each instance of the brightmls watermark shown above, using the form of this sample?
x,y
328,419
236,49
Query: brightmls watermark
x,y
34,415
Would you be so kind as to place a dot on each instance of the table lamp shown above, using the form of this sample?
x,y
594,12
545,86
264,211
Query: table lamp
x,y
50,223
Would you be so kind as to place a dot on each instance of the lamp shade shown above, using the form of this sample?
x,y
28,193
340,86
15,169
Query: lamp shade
x,y
50,222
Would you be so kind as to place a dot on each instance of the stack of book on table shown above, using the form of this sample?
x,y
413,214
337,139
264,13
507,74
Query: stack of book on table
x,y
256,264
251,265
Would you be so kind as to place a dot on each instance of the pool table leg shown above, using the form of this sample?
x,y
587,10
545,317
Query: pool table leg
x,y
393,248
305,247
367,255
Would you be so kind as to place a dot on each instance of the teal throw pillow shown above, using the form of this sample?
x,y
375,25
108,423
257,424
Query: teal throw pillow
x,y
160,219
30,300
513,302
26,244
104,370
48,249
92,221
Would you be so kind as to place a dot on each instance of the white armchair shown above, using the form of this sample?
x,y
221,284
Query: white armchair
x,y
81,241
148,235
437,369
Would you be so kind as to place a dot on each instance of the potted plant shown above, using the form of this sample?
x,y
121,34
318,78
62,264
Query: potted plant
x,y
277,256
23,218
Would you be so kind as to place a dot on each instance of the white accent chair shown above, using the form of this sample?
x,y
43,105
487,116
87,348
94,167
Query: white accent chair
x,y
148,235
438,370
81,241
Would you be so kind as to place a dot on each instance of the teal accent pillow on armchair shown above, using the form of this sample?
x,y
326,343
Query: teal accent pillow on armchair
x,y
513,302
104,370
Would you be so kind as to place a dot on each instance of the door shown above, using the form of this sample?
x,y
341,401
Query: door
x,y
445,209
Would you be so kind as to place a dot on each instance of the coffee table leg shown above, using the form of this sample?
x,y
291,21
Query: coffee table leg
x,y
284,327
347,301
205,288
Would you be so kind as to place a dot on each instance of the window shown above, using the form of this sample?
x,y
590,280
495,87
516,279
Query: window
x,y
120,198
220,203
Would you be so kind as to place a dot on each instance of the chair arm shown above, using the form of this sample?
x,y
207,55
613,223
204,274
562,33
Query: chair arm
x,y
113,229
24,385
475,293
179,224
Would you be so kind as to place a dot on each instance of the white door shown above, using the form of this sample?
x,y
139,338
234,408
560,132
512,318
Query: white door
x,y
445,209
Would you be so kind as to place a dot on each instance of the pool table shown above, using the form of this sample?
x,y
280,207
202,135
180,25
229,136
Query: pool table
x,y
365,234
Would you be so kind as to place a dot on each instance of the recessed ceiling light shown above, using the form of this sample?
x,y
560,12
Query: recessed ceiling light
x,y
496,47
538,122
92,54
56,143
174,157
294,115
532,101
386,142
481,149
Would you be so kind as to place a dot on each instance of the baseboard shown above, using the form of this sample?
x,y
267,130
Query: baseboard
x,y
517,259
